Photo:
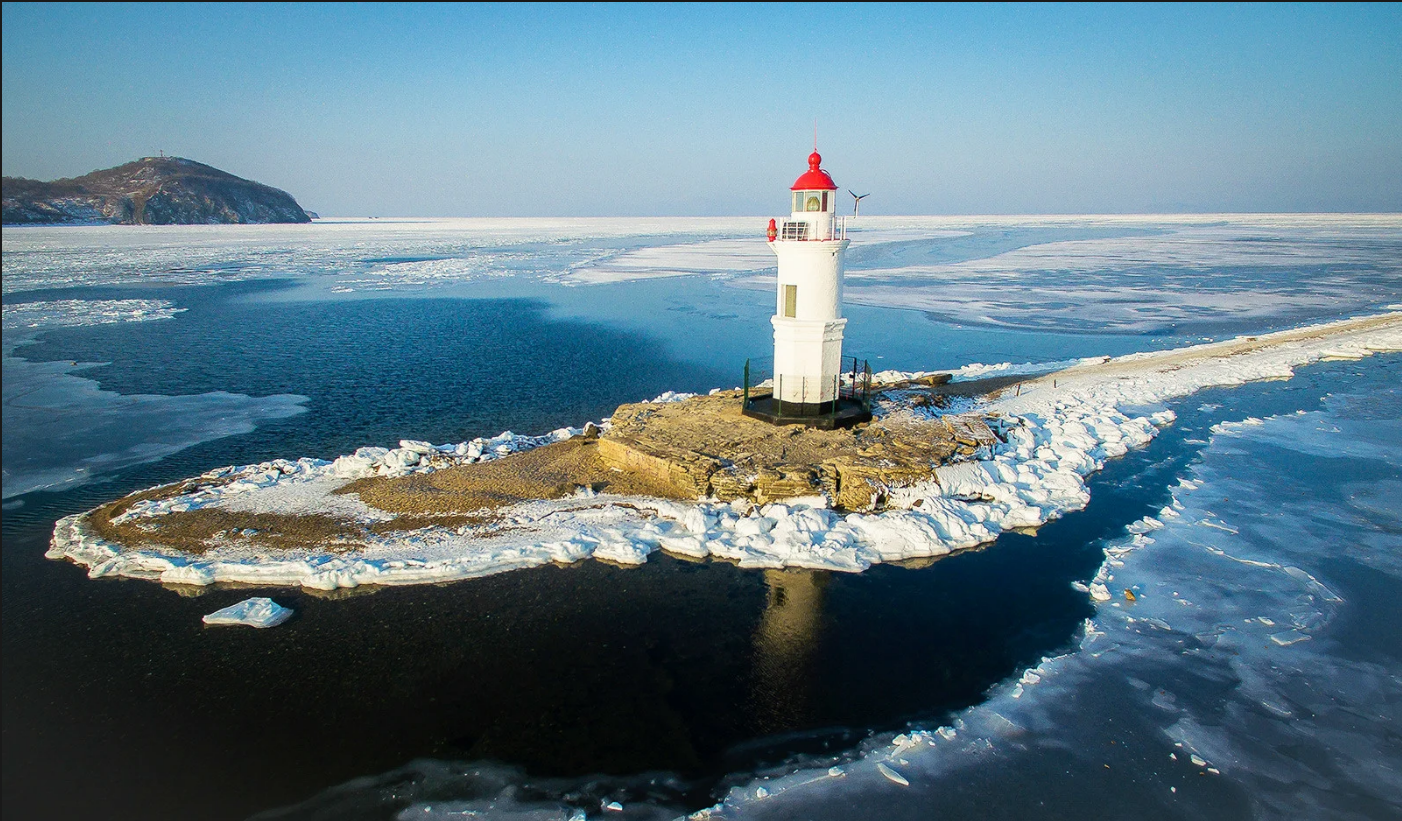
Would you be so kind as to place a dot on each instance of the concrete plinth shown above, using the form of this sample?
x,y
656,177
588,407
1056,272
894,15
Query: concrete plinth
x,y
844,413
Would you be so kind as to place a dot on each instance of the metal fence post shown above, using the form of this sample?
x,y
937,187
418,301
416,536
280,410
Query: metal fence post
x,y
745,402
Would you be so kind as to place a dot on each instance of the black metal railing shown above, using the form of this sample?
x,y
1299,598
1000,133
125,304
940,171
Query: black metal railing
x,y
852,385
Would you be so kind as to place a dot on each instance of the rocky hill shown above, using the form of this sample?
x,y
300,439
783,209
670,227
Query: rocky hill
x,y
149,191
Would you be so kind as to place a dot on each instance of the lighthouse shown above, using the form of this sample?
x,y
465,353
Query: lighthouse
x,y
809,383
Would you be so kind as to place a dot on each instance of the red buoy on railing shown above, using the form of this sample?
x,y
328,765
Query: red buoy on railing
x,y
773,231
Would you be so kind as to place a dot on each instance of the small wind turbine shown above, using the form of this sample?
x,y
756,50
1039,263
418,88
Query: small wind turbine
x,y
857,202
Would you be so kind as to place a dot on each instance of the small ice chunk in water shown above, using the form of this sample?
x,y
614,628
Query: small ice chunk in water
x,y
892,774
417,446
256,612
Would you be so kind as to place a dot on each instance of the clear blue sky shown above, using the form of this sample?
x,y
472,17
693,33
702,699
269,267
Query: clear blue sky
x,y
639,110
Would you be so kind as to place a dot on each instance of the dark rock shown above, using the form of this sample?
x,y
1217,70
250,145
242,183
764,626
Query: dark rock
x,y
149,191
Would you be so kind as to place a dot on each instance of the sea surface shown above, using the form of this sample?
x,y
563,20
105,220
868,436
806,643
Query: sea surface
x,y
135,357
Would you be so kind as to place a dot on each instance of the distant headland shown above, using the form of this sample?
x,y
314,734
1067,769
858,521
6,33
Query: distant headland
x,y
148,191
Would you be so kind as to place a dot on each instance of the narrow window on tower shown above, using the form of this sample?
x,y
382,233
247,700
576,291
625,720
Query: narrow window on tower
x,y
798,201
790,301
825,200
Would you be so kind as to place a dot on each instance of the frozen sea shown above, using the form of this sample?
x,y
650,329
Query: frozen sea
x,y
1257,673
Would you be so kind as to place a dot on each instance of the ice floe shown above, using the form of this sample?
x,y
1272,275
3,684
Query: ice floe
x,y
258,612
1130,272
62,430
351,254
1148,277
67,313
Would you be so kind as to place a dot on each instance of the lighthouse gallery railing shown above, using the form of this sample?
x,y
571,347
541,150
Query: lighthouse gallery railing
x,y
792,230
852,384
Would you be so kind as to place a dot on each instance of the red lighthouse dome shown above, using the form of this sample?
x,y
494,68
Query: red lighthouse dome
x,y
815,178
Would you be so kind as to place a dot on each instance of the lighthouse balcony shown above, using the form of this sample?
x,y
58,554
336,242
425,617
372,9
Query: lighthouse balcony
x,y
832,230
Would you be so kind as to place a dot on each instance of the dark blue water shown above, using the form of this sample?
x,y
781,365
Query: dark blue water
x,y
377,371
117,703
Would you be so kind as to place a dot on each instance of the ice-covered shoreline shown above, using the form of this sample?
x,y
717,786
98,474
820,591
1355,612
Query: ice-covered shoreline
x,y
1223,589
1057,430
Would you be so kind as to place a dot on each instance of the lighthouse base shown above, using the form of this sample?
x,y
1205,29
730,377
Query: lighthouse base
x,y
841,413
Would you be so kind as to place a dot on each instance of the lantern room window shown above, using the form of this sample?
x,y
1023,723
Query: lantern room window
x,y
810,201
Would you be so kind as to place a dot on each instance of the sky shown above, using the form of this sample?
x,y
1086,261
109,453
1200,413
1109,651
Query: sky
x,y
677,110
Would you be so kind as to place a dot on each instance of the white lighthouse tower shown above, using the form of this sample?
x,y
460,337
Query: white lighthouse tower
x,y
808,322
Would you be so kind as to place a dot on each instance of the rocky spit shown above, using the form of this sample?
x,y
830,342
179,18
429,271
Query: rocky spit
x,y
705,447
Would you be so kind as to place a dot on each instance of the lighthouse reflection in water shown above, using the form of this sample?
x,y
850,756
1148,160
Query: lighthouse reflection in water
x,y
784,645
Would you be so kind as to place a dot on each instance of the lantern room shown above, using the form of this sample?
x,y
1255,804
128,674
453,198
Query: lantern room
x,y
814,191
814,212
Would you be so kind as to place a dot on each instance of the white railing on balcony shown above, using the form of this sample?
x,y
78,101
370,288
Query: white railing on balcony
x,y
801,230
794,231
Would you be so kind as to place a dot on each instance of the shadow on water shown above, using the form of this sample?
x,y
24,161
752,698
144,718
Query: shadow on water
x,y
118,703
